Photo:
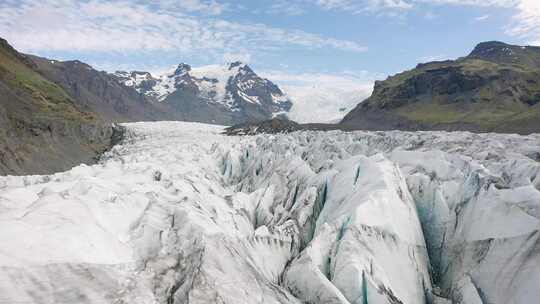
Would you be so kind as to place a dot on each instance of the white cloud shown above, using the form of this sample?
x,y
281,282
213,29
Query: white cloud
x,y
244,57
526,23
322,97
492,3
209,7
430,16
286,7
131,26
430,58
481,18
358,6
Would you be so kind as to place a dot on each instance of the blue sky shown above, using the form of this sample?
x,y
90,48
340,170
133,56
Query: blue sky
x,y
343,44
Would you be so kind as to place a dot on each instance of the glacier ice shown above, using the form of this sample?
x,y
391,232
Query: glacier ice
x,y
179,213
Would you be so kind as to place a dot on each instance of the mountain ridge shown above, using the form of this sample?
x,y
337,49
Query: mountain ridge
x,y
42,128
496,88
228,95
233,93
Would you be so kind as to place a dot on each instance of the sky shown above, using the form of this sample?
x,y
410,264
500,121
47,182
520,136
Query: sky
x,y
325,54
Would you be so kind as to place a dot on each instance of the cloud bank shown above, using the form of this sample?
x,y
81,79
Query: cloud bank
x,y
185,26
525,23
323,97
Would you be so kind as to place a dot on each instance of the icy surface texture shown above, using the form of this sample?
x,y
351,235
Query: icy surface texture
x,y
181,214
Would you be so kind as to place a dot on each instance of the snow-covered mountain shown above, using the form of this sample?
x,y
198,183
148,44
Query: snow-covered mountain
x,y
224,94
179,213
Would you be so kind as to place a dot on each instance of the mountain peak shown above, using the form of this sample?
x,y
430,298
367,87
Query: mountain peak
x,y
491,49
231,92
4,43
140,73
491,44
500,52
235,64
182,69
6,47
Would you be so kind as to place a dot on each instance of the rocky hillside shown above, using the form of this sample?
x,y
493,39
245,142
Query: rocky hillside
x,y
100,92
226,95
496,88
42,128
216,94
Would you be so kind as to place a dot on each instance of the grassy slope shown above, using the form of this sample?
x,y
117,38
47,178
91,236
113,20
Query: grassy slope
x,y
41,129
491,112
48,99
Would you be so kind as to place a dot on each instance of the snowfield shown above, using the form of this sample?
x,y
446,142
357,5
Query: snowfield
x,y
179,213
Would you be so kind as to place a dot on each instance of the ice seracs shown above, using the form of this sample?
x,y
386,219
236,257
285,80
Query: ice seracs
x,y
179,213
368,244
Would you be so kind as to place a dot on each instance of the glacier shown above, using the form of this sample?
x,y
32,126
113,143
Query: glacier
x,y
179,213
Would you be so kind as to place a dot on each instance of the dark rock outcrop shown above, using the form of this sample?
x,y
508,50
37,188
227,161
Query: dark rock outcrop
x,y
281,125
272,126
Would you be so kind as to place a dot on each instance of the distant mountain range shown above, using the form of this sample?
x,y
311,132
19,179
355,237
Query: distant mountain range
x,y
56,114
227,94
496,88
